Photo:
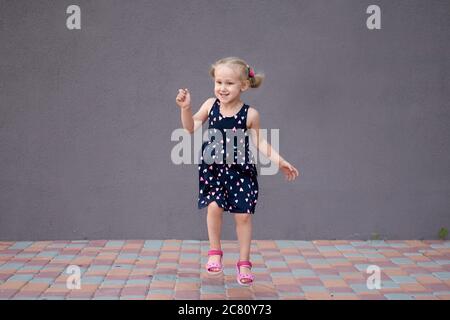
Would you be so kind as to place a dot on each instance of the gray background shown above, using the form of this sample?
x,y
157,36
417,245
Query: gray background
x,y
86,116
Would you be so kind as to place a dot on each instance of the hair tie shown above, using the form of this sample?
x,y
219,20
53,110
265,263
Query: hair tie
x,y
251,74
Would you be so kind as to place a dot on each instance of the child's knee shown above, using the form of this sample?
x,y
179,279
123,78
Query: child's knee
x,y
214,206
242,218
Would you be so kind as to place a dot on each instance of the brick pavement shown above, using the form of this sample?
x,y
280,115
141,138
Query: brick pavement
x,y
174,269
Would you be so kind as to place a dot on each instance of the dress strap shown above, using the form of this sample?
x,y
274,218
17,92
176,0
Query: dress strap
x,y
212,111
246,107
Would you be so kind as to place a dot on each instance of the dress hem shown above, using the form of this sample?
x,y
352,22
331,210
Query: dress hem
x,y
204,205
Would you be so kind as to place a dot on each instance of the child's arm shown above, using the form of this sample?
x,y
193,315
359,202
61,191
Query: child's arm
x,y
262,145
192,122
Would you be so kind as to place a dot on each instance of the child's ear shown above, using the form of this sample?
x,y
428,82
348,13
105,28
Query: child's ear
x,y
245,85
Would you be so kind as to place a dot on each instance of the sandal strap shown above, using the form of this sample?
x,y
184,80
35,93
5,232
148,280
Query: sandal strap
x,y
214,252
244,263
213,264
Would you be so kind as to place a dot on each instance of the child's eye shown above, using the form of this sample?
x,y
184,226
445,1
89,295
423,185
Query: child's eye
x,y
219,82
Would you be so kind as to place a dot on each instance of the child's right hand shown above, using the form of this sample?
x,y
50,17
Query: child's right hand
x,y
183,98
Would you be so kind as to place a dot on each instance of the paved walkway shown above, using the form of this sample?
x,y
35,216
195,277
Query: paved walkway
x,y
174,269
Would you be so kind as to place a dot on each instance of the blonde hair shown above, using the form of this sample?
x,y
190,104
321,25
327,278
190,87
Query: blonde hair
x,y
243,66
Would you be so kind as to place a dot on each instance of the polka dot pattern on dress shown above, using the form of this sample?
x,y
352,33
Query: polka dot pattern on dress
x,y
225,176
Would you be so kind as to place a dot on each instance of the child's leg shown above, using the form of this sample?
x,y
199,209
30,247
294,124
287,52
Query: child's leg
x,y
214,222
244,235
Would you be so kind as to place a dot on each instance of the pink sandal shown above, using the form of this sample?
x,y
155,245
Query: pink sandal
x,y
243,276
214,267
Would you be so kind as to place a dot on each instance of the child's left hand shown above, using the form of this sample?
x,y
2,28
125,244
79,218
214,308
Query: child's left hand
x,y
289,170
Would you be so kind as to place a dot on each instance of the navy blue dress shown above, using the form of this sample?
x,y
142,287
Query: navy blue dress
x,y
225,176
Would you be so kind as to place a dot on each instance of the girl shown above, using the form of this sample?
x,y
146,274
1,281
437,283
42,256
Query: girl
x,y
229,187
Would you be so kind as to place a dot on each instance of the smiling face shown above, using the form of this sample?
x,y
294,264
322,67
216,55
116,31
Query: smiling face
x,y
228,84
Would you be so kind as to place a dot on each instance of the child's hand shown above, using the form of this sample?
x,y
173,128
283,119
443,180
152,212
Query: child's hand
x,y
289,170
183,98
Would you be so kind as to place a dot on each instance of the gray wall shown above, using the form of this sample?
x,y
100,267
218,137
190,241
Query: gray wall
x,y
86,116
